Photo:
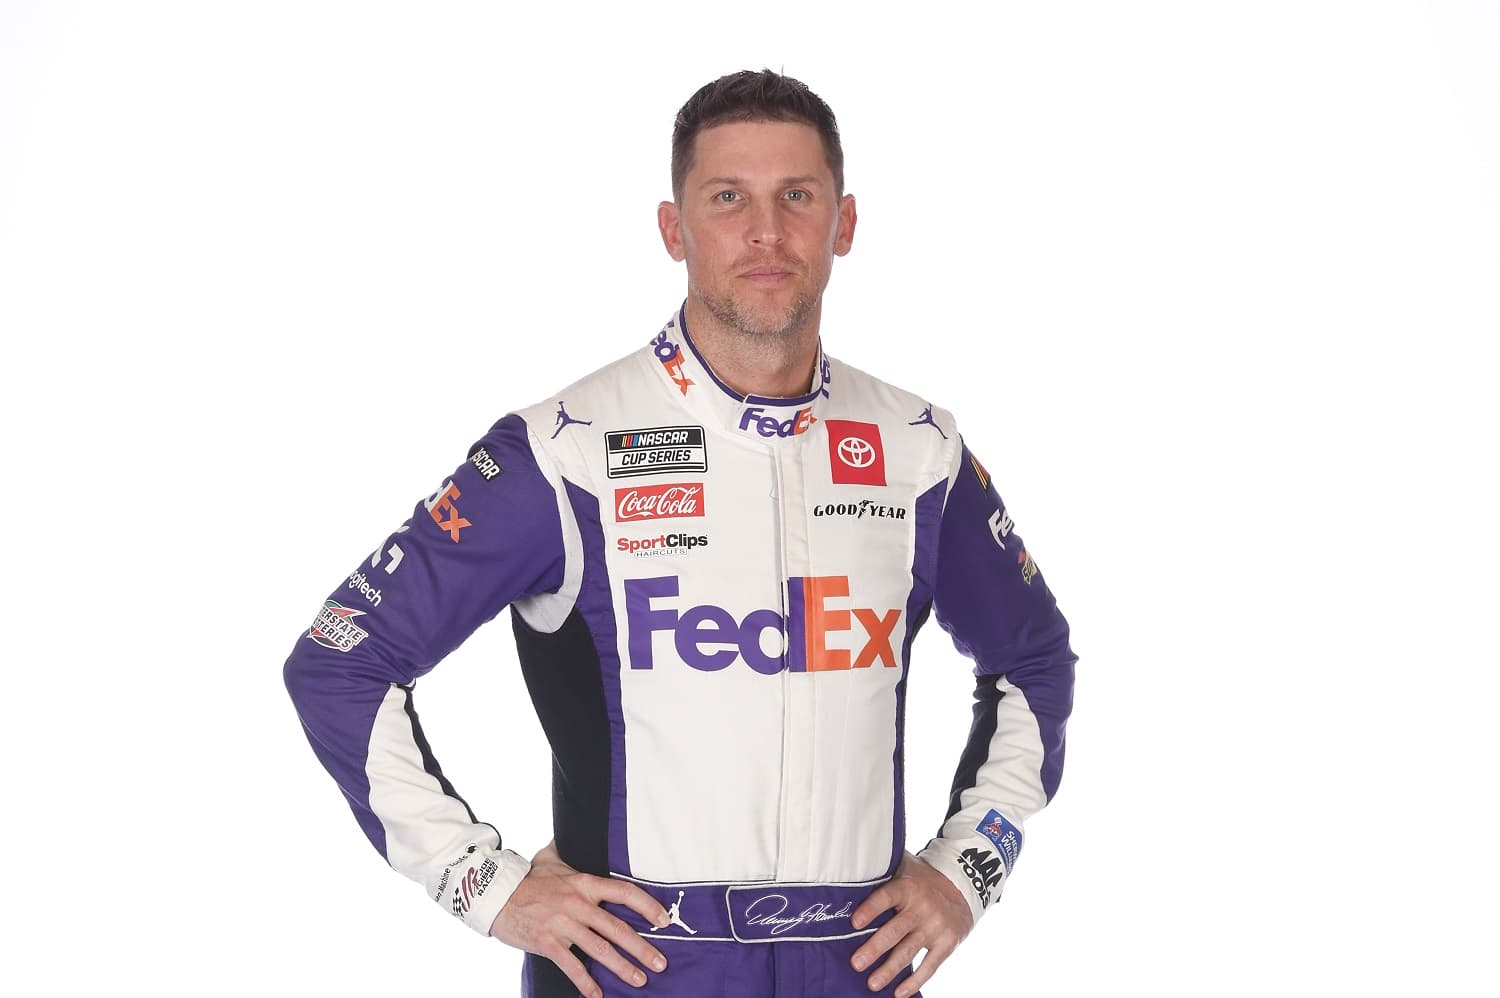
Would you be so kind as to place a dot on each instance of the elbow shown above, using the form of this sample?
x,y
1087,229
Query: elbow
x,y
297,677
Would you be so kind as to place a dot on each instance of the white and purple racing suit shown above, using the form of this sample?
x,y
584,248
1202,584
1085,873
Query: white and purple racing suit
x,y
714,599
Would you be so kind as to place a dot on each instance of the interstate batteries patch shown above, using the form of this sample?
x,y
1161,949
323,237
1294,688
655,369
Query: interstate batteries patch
x,y
656,450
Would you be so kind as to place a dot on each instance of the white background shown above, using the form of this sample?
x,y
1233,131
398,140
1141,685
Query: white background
x,y
1211,288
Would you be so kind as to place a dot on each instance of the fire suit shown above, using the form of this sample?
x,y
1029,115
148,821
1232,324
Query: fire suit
x,y
714,598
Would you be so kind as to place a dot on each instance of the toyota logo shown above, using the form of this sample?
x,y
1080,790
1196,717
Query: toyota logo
x,y
856,453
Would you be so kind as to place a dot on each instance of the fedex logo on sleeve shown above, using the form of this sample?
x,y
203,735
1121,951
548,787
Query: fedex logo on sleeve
x,y
708,638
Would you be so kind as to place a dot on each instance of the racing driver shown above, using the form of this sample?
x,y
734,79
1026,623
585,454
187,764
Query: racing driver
x,y
717,551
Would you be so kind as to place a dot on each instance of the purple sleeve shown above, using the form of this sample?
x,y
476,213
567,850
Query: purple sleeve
x,y
489,535
992,600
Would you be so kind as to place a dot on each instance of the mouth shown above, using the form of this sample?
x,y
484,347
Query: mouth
x,y
767,275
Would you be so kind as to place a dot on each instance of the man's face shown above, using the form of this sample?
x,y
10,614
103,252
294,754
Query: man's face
x,y
759,224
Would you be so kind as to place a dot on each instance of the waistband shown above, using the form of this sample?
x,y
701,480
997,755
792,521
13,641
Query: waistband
x,y
758,912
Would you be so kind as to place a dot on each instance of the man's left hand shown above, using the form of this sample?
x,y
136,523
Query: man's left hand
x,y
930,914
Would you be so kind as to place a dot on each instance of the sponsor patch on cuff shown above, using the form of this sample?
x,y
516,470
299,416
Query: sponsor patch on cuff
x,y
471,886
1007,837
983,870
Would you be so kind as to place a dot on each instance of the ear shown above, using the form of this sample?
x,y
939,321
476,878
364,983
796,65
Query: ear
x,y
669,221
848,217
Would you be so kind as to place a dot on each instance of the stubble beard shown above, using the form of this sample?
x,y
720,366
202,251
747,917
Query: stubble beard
x,y
782,328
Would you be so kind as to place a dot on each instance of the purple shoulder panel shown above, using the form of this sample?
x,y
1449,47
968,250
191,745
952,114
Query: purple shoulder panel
x,y
489,535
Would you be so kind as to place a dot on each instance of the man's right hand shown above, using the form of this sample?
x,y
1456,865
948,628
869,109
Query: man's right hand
x,y
555,908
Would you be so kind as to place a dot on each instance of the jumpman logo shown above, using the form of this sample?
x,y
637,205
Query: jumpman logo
x,y
926,418
563,419
674,915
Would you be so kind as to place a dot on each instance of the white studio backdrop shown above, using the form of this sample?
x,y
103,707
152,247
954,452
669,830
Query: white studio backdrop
x,y
1211,288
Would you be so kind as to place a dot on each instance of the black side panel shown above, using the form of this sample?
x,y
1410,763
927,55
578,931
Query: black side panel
x,y
429,761
562,674
987,699
540,977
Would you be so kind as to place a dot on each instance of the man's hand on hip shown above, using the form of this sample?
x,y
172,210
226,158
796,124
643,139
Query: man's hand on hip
x,y
930,914
555,908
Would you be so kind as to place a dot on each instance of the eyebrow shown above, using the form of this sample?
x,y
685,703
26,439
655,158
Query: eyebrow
x,y
737,181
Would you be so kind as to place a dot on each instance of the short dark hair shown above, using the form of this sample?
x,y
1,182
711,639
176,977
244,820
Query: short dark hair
x,y
751,96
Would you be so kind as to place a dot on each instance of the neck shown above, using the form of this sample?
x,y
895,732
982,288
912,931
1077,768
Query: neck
x,y
771,365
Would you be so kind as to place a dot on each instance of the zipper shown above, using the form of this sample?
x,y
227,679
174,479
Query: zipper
x,y
778,517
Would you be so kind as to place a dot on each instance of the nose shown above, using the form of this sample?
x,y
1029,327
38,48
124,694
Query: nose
x,y
765,224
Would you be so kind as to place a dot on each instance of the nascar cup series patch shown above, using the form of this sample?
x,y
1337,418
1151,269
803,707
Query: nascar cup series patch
x,y
656,450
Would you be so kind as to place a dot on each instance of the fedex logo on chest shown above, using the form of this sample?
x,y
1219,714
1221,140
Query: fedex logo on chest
x,y
708,638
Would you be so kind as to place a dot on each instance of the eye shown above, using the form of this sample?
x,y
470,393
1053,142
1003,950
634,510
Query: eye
x,y
726,197
797,194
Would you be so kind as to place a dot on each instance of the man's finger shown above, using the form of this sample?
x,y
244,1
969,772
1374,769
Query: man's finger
x,y
901,957
619,892
880,899
627,939
929,965
884,938
575,971
604,954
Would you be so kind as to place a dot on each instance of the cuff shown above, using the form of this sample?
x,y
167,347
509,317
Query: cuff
x,y
972,866
477,885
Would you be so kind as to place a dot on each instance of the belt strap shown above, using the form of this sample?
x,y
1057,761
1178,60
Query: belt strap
x,y
760,912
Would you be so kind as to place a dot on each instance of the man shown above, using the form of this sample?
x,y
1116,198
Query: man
x,y
717,551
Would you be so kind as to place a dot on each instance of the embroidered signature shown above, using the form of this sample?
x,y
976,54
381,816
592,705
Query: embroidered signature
x,y
780,924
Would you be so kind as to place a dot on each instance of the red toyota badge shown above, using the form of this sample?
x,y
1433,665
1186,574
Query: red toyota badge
x,y
854,452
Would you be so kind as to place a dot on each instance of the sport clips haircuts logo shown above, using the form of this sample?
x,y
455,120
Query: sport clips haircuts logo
x,y
658,502
661,545
855,453
708,638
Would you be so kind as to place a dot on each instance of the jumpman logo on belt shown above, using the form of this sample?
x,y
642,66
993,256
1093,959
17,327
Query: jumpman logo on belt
x,y
674,915
926,418
563,419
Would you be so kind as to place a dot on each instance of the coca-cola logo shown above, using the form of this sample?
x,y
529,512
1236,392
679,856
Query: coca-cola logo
x,y
656,502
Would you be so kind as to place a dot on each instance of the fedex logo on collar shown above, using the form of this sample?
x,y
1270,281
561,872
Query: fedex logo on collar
x,y
769,426
708,638
670,355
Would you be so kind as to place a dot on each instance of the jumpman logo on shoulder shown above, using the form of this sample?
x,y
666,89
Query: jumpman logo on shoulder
x,y
674,915
926,418
563,419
